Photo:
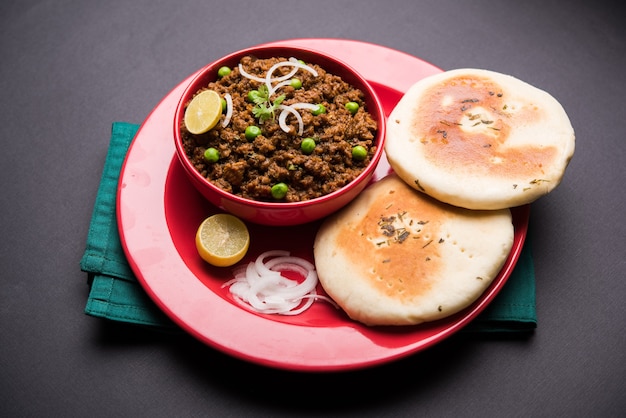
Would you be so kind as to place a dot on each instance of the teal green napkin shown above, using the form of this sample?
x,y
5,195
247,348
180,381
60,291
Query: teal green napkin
x,y
116,294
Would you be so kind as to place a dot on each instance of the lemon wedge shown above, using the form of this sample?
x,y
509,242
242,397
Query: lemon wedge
x,y
222,240
203,112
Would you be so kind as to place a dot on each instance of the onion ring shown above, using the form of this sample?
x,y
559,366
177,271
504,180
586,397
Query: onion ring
x,y
282,119
229,110
291,62
260,286
302,105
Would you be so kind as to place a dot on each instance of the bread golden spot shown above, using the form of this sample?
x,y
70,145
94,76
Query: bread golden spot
x,y
398,243
467,123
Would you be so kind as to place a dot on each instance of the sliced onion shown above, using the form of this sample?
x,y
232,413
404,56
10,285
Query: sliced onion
x,y
269,79
282,119
272,90
260,286
284,80
259,263
308,106
291,62
292,264
229,110
307,304
308,68
250,76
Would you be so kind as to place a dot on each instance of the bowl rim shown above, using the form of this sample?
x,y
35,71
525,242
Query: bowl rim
x,y
378,112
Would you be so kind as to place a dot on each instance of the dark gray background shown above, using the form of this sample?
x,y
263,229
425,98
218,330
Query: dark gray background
x,y
69,68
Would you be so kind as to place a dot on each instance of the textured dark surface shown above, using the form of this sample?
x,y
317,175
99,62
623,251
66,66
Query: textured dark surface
x,y
70,68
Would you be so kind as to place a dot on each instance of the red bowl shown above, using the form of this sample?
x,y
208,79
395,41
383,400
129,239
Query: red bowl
x,y
282,213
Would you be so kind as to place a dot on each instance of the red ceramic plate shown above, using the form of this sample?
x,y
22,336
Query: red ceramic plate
x,y
159,212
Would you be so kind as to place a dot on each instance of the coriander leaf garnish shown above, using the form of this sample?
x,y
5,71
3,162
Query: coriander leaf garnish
x,y
264,108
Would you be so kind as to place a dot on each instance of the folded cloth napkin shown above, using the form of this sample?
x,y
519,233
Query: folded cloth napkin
x,y
116,294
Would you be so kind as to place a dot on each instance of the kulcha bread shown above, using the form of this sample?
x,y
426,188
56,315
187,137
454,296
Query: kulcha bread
x,y
395,256
479,139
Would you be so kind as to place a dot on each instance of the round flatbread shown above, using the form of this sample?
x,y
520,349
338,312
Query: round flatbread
x,y
395,256
479,139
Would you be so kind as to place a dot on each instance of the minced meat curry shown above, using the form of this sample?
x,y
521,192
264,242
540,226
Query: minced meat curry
x,y
254,157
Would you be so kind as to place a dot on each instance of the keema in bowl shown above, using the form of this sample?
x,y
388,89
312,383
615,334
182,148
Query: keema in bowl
x,y
297,135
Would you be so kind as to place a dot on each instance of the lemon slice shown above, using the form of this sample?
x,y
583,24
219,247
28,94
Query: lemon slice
x,y
203,112
222,240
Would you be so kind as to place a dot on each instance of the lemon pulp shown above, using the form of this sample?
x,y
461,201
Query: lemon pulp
x,y
203,112
222,240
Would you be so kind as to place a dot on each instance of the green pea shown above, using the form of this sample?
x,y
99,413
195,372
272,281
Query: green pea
x,y
302,62
253,95
319,110
211,155
296,83
279,190
359,152
308,145
252,132
352,107
223,101
223,72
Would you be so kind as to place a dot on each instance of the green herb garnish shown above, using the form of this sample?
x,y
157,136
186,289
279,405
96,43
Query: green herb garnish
x,y
264,108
